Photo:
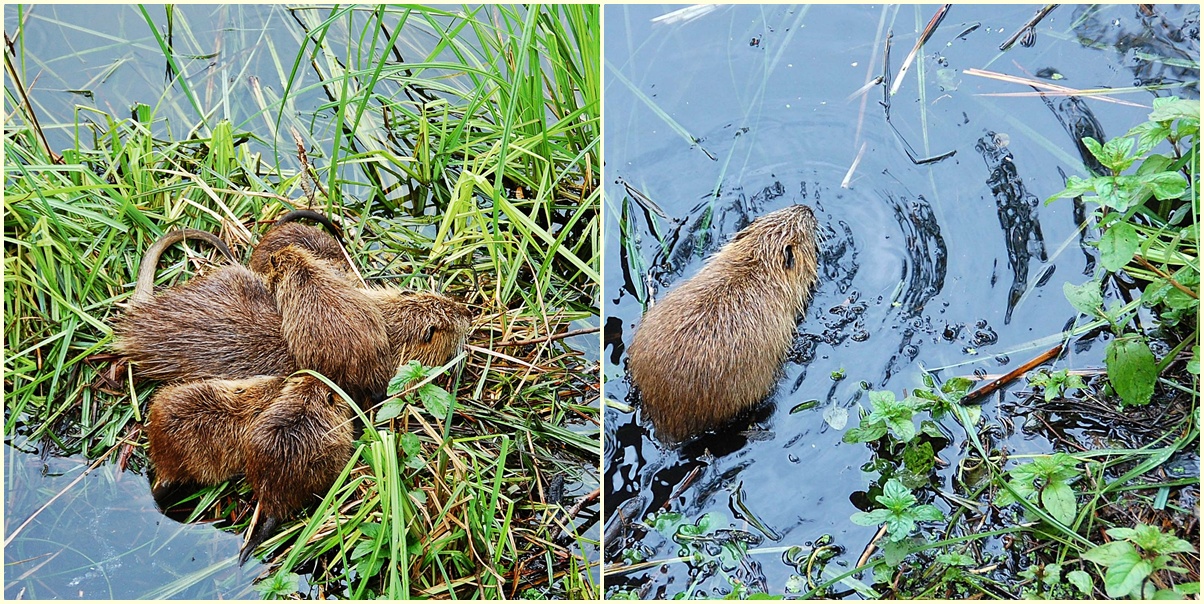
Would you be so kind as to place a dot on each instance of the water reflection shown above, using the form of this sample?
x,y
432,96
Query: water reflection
x,y
942,267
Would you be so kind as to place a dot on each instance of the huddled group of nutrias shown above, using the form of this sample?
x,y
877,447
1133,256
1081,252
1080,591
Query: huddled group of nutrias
x,y
226,343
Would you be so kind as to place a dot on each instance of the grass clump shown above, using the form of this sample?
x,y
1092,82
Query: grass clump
x,y
471,168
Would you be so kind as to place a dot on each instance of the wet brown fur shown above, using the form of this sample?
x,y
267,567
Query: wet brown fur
x,y
295,451
313,240
221,325
329,325
198,431
290,437
712,347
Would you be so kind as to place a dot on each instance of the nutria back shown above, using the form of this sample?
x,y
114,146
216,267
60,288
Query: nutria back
x,y
295,451
312,240
329,325
424,326
198,431
712,347
224,324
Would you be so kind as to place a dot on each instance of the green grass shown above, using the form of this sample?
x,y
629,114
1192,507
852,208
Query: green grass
x,y
471,167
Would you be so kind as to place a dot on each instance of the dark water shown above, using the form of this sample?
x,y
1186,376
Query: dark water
x,y
953,266
103,537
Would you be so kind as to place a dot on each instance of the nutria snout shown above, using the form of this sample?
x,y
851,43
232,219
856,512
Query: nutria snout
x,y
712,347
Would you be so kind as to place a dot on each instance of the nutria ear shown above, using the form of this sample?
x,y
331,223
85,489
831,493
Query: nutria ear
x,y
430,334
789,254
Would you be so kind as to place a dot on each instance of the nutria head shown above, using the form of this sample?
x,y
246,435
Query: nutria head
x,y
424,326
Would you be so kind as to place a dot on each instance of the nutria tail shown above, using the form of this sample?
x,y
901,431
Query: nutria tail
x,y
318,217
143,290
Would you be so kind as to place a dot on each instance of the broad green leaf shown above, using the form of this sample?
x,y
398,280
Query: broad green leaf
x,y
1085,298
1126,576
436,400
1058,499
390,410
1117,246
865,434
1110,553
927,512
870,518
903,428
1172,108
1167,185
1131,369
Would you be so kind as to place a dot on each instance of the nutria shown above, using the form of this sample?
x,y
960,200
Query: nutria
x,y
712,347
329,325
424,326
287,232
198,430
295,451
221,325
227,325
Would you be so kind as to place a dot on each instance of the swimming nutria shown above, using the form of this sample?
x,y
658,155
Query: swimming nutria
x,y
198,431
287,232
424,326
711,348
295,451
329,325
221,325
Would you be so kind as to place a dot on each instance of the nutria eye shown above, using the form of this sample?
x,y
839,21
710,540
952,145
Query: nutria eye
x,y
789,253
430,333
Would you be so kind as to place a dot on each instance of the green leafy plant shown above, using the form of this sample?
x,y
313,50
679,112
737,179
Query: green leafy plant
x,y
1045,479
886,415
1055,383
900,512
1136,554
1150,229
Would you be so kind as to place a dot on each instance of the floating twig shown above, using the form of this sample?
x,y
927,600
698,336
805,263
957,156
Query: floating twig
x,y
1095,93
844,184
1030,26
1013,374
927,33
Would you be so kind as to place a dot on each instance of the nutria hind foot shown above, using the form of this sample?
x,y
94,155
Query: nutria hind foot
x,y
260,534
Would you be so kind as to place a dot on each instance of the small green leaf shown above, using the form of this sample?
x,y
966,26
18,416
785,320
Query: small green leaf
x,y
1110,553
955,559
1117,246
865,434
1058,499
1172,108
1131,369
1167,185
1081,580
870,518
904,429
391,409
1085,298
436,400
